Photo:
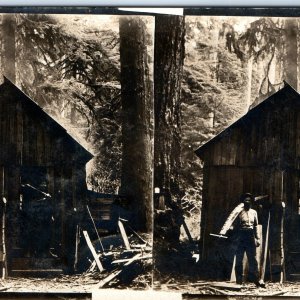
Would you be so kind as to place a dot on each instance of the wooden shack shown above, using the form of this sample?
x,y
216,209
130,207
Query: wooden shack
x,y
106,210
260,154
42,186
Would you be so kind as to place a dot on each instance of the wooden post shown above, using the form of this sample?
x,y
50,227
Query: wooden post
x,y
4,257
259,249
266,245
76,247
282,272
232,275
4,268
281,230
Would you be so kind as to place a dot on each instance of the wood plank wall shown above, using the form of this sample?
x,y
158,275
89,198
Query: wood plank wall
x,y
27,139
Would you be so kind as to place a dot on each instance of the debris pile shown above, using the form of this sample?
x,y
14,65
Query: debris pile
x,y
127,264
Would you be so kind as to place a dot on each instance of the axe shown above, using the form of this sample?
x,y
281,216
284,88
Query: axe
x,y
231,218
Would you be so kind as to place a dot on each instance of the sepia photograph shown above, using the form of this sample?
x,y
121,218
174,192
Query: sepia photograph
x,y
76,152
145,152
227,196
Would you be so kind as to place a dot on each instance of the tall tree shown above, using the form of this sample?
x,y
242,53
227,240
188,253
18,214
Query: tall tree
x,y
137,131
8,58
168,69
291,53
67,67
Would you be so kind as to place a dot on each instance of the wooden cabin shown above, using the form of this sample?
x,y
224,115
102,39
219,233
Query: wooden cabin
x,y
106,209
260,154
42,186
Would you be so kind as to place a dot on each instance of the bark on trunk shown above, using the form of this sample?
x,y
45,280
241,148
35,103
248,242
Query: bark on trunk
x,y
290,61
8,58
168,65
249,84
137,129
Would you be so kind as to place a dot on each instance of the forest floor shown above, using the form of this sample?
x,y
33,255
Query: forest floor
x,y
82,283
77,284
193,289
177,270
122,268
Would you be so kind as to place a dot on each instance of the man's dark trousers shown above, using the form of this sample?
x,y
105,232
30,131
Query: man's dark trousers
x,y
246,243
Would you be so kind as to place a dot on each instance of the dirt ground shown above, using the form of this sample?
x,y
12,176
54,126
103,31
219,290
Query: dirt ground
x,y
213,288
64,283
80,284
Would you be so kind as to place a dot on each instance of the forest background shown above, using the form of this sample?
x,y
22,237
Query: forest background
x,y
70,65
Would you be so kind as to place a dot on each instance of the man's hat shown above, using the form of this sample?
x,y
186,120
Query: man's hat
x,y
245,196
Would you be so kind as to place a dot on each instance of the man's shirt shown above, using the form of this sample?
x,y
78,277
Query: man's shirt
x,y
248,220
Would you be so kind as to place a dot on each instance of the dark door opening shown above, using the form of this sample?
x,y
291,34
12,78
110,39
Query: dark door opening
x,y
37,214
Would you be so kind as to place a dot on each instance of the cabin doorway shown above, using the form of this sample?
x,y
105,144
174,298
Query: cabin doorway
x,y
37,214
292,226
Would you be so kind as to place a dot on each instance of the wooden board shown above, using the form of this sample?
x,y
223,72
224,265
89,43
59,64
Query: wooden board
x,y
124,235
91,247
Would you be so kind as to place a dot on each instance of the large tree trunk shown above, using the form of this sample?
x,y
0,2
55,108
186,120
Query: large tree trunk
x,y
249,83
8,58
137,129
168,66
291,55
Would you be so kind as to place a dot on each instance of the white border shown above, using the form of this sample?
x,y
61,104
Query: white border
x,y
154,3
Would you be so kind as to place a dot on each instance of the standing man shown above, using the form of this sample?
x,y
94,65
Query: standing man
x,y
248,240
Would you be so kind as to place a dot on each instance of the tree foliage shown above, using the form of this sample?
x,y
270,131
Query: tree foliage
x,y
213,88
74,76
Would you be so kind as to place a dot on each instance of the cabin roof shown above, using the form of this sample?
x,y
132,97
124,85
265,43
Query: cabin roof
x,y
51,123
284,94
